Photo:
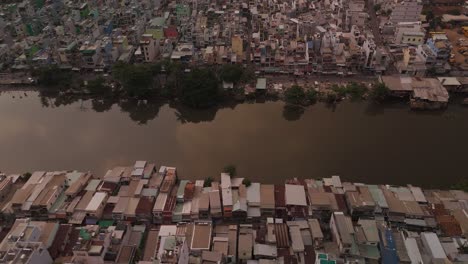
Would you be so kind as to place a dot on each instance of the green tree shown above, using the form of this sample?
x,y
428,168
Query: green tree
x,y
246,182
377,7
461,185
432,71
294,95
455,12
340,90
26,176
207,182
231,73
379,92
98,86
248,75
356,90
311,95
331,97
231,169
52,78
200,89
136,80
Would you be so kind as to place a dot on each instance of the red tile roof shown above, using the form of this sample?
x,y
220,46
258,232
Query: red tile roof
x,y
449,225
145,206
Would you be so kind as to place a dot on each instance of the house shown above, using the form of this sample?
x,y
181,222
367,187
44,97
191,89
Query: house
x,y
261,84
360,202
204,206
316,231
267,200
169,208
159,207
432,244
245,249
296,201
342,231
201,237
215,204
280,202
240,208
96,205
227,196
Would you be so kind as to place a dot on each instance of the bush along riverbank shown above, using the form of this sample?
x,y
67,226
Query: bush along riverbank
x,y
195,88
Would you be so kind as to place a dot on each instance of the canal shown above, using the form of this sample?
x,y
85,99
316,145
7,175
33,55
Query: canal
x,y
359,141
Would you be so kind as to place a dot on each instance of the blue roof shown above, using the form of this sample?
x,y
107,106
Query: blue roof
x,y
388,248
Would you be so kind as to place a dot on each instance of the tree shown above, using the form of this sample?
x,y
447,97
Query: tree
x,y
98,86
136,80
432,71
379,92
340,90
26,176
311,96
331,97
355,90
294,95
200,89
246,182
377,7
231,169
207,182
231,73
248,75
52,78
455,12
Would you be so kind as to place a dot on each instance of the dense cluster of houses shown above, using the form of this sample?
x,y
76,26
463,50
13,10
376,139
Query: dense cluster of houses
x,y
298,37
147,215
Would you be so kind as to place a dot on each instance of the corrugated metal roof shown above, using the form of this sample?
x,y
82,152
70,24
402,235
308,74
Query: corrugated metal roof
x,y
295,195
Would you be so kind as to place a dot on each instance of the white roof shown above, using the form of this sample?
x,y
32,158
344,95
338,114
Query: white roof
x,y
265,250
113,199
253,194
167,230
449,81
253,211
96,201
295,195
413,250
227,196
236,182
187,208
137,172
418,194
433,242
336,181
160,202
296,239
140,164
225,180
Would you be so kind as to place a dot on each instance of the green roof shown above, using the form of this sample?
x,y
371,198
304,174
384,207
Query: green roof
x,y
73,177
105,223
181,190
157,22
325,261
322,256
60,200
92,185
170,243
84,234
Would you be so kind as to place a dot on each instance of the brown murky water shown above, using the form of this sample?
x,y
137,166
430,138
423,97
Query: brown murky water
x,y
356,140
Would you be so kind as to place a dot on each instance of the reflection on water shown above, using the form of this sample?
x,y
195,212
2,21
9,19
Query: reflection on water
x,y
266,141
